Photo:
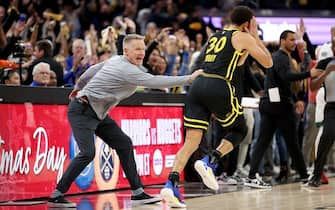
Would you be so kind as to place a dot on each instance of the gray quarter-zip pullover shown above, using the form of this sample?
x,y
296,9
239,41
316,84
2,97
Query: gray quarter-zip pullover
x,y
106,84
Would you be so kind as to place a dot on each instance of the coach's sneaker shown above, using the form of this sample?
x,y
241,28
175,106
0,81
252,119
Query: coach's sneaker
x,y
172,196
60,202
206,171
144,198
257,183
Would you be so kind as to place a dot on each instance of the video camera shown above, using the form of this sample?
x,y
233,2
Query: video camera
x,y
19,49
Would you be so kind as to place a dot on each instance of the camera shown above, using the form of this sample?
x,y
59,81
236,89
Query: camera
x,y
19,49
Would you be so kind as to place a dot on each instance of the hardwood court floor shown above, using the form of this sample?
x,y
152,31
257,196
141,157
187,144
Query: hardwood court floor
x,y
281,197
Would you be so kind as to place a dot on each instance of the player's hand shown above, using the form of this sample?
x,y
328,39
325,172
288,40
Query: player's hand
x,y
253,28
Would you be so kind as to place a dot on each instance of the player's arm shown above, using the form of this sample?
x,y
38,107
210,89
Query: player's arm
x,y
250,41
256,49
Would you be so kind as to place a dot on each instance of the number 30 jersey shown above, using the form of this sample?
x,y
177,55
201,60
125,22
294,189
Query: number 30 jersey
x,y
219,55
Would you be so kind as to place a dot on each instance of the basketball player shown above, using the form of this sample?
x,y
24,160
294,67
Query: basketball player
x,y
213,93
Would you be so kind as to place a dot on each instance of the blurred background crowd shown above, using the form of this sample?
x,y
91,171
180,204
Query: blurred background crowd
x,y
71,35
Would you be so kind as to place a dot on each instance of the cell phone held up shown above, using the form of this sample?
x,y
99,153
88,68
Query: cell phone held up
x,y
22,18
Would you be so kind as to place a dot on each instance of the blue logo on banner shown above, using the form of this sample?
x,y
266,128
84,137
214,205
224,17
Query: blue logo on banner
x,y
85,179
106,162
85,204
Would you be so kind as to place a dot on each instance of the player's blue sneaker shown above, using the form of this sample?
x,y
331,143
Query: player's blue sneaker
x,y
206,171
172,196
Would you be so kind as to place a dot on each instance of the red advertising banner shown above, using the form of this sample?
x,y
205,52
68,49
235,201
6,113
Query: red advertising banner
x,y
36,145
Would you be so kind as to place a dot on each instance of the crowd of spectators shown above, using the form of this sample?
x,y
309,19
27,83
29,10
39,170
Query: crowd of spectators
x,y
72,35
84,32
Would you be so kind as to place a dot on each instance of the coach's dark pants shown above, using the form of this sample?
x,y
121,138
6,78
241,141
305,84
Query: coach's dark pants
x,y
85,124
282,116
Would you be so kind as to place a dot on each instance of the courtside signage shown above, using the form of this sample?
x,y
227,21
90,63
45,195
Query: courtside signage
x,y
36,146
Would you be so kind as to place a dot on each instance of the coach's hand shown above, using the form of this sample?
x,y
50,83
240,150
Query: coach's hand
x,y
195,74
73,94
